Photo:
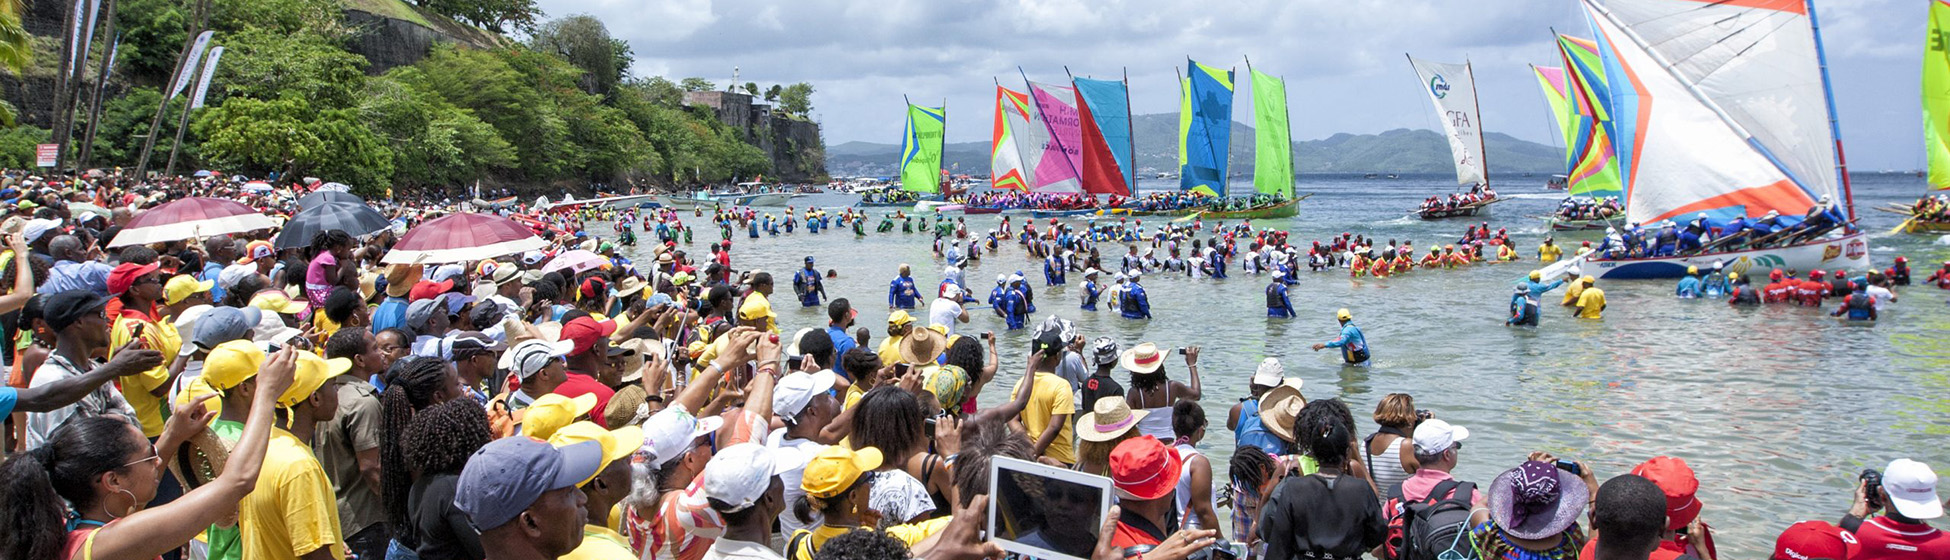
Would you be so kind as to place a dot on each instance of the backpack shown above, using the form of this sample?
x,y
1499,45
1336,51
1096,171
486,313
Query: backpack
x,y
1436,528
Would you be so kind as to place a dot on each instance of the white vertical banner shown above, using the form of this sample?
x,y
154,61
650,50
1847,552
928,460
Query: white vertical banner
x,y
184,71
113,49
84,32
1453,90
209,70
74,32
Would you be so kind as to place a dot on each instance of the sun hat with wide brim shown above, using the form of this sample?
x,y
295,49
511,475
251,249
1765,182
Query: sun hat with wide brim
x,y
1143,358
1280,406
1536,500
1108,418
199,460
922,346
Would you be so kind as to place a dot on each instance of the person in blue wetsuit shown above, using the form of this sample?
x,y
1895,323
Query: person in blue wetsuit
x,y
1277,304
751,229
1013,307
995,294
1218,261
1134,304
1353,345
901,293
1714,285
1018,282
1054,268
1091,291
1523,308
1689,287
808,286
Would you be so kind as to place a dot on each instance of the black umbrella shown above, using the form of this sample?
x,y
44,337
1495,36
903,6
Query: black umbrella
x,y
321,197
356,219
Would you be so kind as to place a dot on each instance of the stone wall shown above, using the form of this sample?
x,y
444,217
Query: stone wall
x,y
794,145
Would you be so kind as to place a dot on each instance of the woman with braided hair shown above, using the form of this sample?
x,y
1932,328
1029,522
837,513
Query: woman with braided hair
x,y
411,385
437,444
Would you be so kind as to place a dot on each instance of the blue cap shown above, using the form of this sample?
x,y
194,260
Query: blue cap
x,y
809,260
224,324
507,475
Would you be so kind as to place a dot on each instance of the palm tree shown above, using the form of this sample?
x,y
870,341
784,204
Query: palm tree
x,y
15,49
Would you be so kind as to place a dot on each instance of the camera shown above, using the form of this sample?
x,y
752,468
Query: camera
x,y
1424,414
1871,486
1570,467
1221,550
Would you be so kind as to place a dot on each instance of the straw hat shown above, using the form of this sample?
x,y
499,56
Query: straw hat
x,y
1280,406
199,460
1108,418
1143,358
922,346
400,279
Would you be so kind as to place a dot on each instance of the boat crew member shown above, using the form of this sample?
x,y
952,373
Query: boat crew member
x,y
1696,230
901,293
1277,304
1812,290
1899,272
1859,305
1028,294
1591,300
1689,286
1778,289
1013,307
1523,308
1838,284
1054,268
1714,285
1090,290
1549,252
808,285
1353,345
996,293
1134,303
1743,291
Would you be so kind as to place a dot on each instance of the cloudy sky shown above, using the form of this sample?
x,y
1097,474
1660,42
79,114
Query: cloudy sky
x,y
1342,58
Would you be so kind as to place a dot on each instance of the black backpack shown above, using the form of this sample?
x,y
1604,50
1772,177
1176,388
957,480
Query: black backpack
x,y
1436,528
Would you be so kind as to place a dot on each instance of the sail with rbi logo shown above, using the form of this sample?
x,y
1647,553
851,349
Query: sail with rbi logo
x,y
921,148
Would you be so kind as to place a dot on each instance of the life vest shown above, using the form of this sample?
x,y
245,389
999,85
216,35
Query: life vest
x,y
1860,305
1745,295
1273,297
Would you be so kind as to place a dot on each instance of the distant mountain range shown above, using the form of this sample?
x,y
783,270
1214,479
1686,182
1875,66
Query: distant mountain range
x,y
1394,151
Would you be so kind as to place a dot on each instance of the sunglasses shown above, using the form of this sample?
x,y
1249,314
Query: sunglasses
x,y
153,457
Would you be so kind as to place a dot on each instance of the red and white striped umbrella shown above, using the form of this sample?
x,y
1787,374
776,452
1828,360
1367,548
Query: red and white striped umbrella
x,y
463,237
191,218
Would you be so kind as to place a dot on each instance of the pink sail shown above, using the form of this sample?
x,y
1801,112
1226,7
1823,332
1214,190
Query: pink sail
x,y
1063,146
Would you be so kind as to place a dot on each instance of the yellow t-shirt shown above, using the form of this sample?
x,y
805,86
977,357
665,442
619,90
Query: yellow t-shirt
x,y
911,533
601,543
1052,398
756,306
292,511
1572,290
1549,253
890,350
158,336
1591,303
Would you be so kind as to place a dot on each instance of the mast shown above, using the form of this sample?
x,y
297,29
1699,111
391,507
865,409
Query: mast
x,y
1834,121
1482,148
1129,133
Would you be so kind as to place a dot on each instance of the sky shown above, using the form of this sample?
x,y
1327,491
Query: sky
x,y
1342,59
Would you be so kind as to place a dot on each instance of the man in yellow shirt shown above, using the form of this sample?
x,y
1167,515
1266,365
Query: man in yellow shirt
x,y
1591,301
140,288
897,326
1549,252
293,513
1051,403
756,311
603,490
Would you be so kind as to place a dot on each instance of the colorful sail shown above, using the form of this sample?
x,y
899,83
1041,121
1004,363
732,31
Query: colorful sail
x,y
1273,147
1557,95
1720,108
921,148
1452,87
1105,108
1594,169
1059,168
1205,127
1936,95
1006,170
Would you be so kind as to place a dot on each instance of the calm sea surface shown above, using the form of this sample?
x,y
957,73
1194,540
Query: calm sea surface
x,y
1777,408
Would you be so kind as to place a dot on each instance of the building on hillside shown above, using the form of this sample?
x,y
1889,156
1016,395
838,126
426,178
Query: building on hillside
x,y
792,143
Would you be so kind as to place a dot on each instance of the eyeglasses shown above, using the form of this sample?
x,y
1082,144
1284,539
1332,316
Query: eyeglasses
x,y
152,457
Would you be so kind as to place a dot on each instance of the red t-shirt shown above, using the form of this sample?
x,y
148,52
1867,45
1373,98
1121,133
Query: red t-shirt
x,y
1884,538
579,384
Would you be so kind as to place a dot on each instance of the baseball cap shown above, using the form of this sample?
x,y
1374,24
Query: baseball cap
x,y
36,228
552,411
124,276
231,363
617,444
739,475
532,258
1815,540
183,285
233,274
798,389
836,468
475,341
224,324
507,475
257,250
1144,469
669,433
583,332
1678,483
1269,373
446,273
1435,436
899,318
530,356
310,374
426,289
1912,489
63,309
276,301
418,312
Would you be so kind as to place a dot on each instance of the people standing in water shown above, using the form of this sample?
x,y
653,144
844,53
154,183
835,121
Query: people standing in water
x,y
1353,345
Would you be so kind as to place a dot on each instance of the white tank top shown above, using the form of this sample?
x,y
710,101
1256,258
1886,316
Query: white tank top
x,y
1386,467
1183,495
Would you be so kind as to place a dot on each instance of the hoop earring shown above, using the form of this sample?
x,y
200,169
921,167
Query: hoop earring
x,y
131,510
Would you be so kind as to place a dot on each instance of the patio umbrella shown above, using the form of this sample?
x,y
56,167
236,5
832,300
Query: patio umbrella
x,y
191,218
353,218
466,236
340,187
78,208
258,186
577,260
324,196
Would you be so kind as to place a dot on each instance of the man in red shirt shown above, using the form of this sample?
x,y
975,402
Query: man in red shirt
x,y
1778,290
588,357
1809,540
1812,290
1909,489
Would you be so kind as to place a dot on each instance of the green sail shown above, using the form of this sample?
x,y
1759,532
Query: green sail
x,y
1936,95
921,148
1273,160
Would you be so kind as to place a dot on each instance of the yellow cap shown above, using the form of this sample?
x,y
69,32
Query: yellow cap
x,y
1733,276
183,285
277,302
899,318
1536,274
1343,315
551,412
311,373
1692,270
835,468
232,363
1588,279
617,444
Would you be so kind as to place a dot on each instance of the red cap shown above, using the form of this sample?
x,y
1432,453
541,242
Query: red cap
x,y
1814,274
1679,484
125,274
1811,540
584,331
594,287
428,289
1144,469
1775,275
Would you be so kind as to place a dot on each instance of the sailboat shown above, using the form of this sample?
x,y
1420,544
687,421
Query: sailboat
x,y
1007,154
1273,152
1204,129
1452,88
921,146
1578,98
1724,110
1936,127
1104,112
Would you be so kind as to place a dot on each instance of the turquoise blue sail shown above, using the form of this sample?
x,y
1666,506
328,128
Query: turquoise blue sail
x,y
1109,103
1207,123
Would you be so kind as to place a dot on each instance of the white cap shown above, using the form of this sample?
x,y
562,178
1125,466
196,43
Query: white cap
x,y
739,475
38,227
235,273
530,356
951,291
1435,436
532,258
447,272
797,390
1912,489
669,432
1269,373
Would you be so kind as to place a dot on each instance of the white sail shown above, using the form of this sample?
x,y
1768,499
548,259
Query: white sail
x,y
1453,90
1720,107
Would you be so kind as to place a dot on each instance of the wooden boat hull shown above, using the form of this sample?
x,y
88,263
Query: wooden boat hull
x,y
1558,224
1913,226
1477,209
1849,252
980,210
1286,209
